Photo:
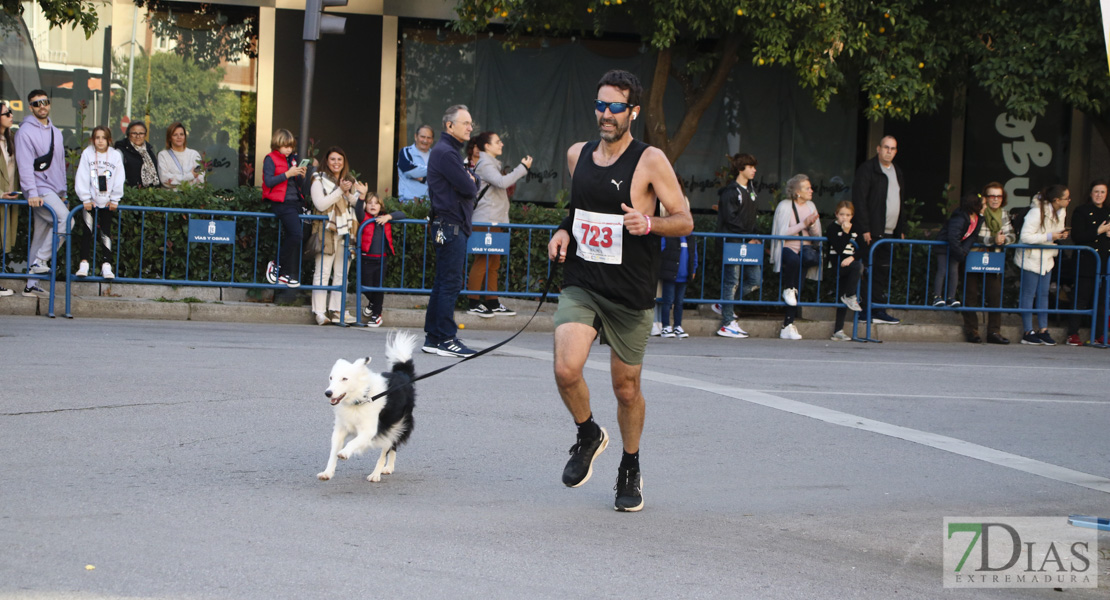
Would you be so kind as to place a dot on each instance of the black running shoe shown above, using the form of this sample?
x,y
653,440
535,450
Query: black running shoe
x,y
582,455
630,490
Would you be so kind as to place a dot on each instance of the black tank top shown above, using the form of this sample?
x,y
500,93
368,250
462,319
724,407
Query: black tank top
x,y
602,190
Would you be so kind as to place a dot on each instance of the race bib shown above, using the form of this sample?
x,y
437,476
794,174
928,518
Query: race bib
x,y
599,236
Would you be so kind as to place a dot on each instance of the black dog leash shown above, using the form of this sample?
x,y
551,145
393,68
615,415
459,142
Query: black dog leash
x,y
543,298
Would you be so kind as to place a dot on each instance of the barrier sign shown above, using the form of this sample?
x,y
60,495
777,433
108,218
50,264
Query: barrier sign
x,y
743,254
485,242
205,231
986,262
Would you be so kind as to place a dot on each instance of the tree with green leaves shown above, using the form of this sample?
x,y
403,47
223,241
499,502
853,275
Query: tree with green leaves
x,y
180,90
59,13
905,56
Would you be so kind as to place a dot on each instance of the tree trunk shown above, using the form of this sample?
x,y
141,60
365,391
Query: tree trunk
x,y
697,99
1102,125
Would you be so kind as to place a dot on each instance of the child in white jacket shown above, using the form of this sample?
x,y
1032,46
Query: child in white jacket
x,y
99,186
1044,225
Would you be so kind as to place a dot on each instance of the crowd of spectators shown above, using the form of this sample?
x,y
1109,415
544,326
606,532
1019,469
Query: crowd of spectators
x,y
469,189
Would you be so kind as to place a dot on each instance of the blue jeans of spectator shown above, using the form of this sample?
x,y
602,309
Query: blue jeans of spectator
x,y
1034,288
731,292
439,322
947,271
674,292
289,213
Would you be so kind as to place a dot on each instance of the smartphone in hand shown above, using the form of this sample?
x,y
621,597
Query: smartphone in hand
x,y
304,162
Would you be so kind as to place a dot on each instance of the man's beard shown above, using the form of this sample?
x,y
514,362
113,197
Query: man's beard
x,y
618,131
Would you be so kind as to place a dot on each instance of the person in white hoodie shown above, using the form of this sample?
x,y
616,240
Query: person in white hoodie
x,y
99,187
1043,225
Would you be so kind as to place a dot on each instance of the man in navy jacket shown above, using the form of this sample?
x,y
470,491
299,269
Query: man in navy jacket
x,y
452,189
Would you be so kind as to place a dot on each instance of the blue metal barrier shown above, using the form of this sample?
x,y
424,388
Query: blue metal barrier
x,y
30,259
141,212
926,249
524,283
819,290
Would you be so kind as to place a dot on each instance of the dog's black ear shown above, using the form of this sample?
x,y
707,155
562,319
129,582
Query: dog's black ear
x,y
361,362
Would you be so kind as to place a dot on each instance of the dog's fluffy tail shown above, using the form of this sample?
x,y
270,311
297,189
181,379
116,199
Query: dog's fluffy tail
x,y
399,347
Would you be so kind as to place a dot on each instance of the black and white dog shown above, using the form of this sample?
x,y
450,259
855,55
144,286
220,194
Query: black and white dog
x,y
383,423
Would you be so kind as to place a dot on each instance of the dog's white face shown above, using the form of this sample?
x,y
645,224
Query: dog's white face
x,y
347,380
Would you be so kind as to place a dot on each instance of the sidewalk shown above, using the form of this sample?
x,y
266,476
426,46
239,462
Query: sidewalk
x,y
129,301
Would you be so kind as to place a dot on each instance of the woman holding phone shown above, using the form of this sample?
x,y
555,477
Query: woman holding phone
x,y
99,187
178,164
334,195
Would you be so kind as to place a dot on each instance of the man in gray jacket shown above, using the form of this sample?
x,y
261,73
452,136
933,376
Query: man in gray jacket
x,y
40,156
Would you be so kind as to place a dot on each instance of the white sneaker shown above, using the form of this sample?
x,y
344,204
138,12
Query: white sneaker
x,y
5,291
790,296
716,308
851,302
106,271
667,332
790,332
39,267
83,270
321,319
349,318
656,328
680,332
840,336
732,330
271,272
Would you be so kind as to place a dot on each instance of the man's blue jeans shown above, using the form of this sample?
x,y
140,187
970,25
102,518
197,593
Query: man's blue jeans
x,y
730,292
439,322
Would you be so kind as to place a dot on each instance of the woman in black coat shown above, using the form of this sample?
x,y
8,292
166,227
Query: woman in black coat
x,y
1091,227
961,232
140,163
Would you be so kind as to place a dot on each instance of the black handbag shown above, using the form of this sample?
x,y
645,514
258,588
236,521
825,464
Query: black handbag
x,y
43,162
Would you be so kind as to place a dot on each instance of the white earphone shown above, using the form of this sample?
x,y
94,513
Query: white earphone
x,y
634,115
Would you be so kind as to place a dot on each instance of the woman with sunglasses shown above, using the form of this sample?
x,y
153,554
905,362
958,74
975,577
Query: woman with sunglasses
x,y
139,166
178,164
9,183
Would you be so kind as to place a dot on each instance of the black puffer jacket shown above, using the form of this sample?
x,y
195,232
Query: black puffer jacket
x,y
1084,232
133,163
955,232
736,211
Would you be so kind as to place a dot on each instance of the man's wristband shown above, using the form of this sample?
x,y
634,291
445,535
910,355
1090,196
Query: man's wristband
x,y
649,224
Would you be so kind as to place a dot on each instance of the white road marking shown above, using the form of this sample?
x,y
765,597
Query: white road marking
x,y
843,419
934,397
1012,365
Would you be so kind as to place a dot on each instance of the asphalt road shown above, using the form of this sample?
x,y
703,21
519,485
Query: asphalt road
x,y
178,460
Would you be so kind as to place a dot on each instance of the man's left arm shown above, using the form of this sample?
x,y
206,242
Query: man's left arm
x,y
663,181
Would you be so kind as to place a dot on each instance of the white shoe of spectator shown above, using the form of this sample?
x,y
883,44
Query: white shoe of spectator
x,y
851,302
732,330
39,267
716,308
790,296
656,328
83,269
667,332
680,332
321,319
840,336
106,271
790,332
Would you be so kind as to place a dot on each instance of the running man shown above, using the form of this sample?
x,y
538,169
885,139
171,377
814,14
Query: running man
x,y
610,243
